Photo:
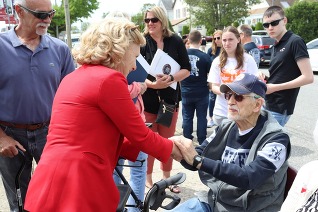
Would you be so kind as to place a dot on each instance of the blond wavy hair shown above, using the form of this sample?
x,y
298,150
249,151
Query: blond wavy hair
x,y
214,45
105,43
159,13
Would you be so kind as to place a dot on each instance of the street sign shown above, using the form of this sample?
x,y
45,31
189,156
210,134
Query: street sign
x,y
7,11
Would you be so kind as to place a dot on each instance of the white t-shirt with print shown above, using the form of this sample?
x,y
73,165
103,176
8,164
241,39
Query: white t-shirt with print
x,y
228,75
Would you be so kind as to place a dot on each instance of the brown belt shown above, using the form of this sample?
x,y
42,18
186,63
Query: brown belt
x,y
30,127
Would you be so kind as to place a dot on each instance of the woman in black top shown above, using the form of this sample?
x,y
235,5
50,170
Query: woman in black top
x,y
213,52
159,36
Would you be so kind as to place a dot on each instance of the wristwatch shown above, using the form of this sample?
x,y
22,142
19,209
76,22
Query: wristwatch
x,y
197,160
171,77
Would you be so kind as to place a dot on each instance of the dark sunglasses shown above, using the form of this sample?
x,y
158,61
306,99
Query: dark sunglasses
x,y
237,97
273,23
217,38
153,20
39,15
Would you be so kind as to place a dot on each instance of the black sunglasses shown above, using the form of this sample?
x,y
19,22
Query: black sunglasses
x,y
39,15
217,38
273,23
238,97
153,20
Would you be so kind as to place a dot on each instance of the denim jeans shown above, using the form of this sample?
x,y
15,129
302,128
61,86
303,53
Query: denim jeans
x,y
193,205
282,119
137,178
212,98
200,106
33,142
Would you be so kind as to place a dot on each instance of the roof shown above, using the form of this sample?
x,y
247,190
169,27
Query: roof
x,y
258,11
178,21
281,3
168,4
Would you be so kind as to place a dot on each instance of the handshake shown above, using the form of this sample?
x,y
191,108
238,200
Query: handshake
x,y
183,149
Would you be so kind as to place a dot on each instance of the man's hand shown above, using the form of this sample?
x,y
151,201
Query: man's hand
x,y
176,154
271,88
187,149
8,147
261,76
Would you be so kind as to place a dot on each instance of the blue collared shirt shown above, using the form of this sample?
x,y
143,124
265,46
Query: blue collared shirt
x,y
29,79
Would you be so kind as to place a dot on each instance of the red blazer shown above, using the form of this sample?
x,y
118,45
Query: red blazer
x,y
92,113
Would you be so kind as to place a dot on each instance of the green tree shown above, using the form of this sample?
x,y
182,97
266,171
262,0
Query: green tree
x,y
236,24
139,17
185,30
302,19
259,26
216,14
79,9
84,26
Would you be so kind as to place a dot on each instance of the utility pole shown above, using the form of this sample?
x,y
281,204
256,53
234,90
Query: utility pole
x,y
56,26
8,11
68,23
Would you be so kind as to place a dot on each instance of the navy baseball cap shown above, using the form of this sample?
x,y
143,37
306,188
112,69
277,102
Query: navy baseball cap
x,y
244,84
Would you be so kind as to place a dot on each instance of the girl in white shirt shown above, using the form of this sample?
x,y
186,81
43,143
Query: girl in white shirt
x,y
231,62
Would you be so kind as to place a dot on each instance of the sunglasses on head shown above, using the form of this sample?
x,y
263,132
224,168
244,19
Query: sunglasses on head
x,y
39,15
238,97
217,38
273,23
153,20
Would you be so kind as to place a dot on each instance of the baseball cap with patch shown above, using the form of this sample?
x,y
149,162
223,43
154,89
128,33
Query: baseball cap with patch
x,y
244,84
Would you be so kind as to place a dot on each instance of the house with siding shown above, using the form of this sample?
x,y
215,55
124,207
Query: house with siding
x,y
179,15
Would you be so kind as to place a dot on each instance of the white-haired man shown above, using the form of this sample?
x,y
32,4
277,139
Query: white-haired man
x,y
244,161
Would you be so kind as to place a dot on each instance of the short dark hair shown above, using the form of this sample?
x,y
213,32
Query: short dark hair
x,y
274,9
195,37
246,30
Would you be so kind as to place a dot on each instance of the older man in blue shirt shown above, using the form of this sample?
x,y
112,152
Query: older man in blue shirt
x,y
32,65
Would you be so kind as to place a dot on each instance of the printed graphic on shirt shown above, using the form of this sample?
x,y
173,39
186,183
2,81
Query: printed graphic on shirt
x,y
255,53
194,69
275,153
235,156
229,75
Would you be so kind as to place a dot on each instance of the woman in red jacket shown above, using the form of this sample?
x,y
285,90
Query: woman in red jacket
x,y
92,113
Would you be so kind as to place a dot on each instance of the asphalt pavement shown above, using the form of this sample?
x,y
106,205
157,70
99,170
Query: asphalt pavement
x,y
299,127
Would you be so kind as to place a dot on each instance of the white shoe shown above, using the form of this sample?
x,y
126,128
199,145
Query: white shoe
x,y
210,123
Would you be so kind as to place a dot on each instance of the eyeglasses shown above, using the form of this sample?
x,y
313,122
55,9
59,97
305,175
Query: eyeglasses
x,y
217,38
39,15
273,23
239,98
153,20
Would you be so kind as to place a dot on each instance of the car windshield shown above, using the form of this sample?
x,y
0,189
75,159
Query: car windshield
x,y
268,41
313,44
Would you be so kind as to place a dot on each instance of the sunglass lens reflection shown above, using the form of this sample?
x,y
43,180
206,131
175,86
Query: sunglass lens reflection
x,y
237,98
273,23
153,20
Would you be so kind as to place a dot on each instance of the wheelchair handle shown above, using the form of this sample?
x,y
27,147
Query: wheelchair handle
x,y
156,195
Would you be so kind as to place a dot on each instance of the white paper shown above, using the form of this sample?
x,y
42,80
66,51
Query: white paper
x,y
162,63
143,63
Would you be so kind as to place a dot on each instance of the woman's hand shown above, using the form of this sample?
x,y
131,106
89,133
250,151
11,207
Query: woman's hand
x,y
162,81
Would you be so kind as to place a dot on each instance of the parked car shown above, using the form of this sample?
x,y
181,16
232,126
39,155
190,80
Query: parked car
x,y
264,43
259,32
208,38
312,47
